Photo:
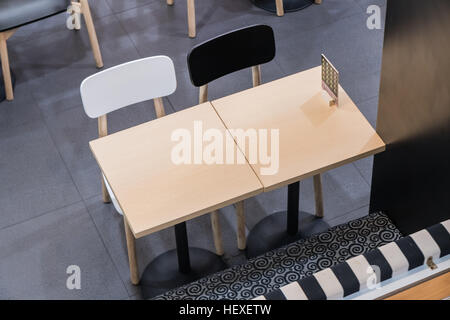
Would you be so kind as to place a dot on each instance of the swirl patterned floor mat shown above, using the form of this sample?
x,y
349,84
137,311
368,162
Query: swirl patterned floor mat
x,y
297,260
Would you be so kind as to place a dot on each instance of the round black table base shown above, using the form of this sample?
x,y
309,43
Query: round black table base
x,y
270,233
162,274
289,5
2,85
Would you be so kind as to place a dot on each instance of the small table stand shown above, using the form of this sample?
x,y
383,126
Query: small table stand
x,y
178,267
282,228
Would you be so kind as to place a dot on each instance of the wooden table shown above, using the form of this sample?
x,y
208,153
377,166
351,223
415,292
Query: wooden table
x,y
313,138
437,288
154,193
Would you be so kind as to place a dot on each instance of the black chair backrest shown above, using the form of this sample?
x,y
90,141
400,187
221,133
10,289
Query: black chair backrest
x,y
230,52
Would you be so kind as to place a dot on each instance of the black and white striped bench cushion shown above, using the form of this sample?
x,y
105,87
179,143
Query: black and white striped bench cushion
x,y
392,259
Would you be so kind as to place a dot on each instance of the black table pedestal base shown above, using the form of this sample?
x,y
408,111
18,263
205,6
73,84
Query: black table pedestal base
x,y
2,85
270,233
163,274
289,5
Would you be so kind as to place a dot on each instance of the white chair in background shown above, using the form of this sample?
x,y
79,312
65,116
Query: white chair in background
x,y
124,85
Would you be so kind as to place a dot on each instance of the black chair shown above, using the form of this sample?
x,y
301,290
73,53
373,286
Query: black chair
x,y
215,58
17,13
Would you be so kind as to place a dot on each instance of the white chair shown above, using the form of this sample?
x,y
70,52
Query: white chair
x,y
124,85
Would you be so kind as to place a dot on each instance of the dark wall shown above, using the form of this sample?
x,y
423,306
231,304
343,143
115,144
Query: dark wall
x,y
411,179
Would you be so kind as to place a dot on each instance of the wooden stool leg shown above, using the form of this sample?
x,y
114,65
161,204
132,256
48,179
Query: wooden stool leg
x,y
5,68
318,195
217,233
191,18
170,2
131,247
159,107
280,8
240,213
86,11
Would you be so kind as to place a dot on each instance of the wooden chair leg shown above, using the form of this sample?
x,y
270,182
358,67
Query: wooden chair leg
x,y
131,248
170,2
280,8
191,18
318,195
5,67
102,132
86,11
240,214
159,107
217,233
256,75
317,1
203,94
105,194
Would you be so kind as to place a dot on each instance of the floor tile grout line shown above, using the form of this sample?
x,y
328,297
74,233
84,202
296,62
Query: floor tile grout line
x,y
359,5
140,55
128,36
345,17
58,31
367,99
107,250
369,183
84,204
348,212
40,215
132,8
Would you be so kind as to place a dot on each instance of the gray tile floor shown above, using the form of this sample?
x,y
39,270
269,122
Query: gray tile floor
x,y
51,213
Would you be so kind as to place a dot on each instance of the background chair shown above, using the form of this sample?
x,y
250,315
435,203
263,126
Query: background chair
x,y
191,14
121,86
215,58
17,13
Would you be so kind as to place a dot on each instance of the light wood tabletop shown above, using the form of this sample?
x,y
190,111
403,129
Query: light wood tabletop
x,y
313,137
154,192
437,288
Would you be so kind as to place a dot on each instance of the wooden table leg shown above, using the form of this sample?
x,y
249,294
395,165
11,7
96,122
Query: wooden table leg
x,y
131,246
217,233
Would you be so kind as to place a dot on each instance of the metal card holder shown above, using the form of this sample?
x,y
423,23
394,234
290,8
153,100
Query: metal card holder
x,y
330,80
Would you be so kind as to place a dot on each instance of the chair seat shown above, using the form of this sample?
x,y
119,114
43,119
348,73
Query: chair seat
x,y
16,13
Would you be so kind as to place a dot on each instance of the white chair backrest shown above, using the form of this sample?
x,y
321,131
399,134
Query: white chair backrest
x,y
126,84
